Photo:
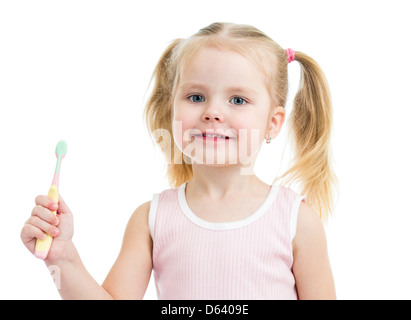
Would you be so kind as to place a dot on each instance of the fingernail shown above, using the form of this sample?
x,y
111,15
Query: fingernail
x,y
55,232
54,206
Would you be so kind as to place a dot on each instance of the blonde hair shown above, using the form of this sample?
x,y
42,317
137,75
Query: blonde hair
x,y
310,120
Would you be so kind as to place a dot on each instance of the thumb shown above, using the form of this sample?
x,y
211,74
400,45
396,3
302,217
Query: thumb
x,y
63,208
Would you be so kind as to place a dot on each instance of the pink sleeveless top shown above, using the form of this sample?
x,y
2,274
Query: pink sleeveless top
x,y
246,259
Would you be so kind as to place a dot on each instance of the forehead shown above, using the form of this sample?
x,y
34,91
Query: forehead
x,y
221,65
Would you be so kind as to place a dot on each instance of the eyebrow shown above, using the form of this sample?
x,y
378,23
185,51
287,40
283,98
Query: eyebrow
x,y
239,89
189,85
242,90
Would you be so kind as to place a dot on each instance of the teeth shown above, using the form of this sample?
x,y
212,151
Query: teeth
x,y
211,135
214,136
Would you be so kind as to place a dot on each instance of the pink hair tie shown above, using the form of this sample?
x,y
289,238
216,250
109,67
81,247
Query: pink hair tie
x,y
290,54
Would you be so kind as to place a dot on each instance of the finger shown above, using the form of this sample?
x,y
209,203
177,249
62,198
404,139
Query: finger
x,y
45,214
46,202
28,232
62,206
43,225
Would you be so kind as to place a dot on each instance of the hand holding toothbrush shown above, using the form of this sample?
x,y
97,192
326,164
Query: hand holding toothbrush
x,y
50,226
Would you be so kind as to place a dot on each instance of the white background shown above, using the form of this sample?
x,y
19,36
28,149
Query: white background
x,y
79,70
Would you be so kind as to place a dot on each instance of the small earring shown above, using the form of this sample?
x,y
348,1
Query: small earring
x,y
268,140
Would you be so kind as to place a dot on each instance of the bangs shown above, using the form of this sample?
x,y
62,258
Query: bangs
x,y
254,52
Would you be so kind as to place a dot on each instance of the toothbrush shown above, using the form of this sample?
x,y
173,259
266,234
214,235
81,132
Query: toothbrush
x,y
43,245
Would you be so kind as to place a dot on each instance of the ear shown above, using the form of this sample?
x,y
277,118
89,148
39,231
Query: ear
x,y
275,122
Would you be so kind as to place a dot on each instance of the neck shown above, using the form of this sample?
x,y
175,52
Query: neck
x,y
218,182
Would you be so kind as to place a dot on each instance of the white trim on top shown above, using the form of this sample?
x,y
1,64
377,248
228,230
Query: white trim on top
x,y
294,215
224,225
152,214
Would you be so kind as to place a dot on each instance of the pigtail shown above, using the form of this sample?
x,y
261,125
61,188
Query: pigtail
x,y
311,120
158,116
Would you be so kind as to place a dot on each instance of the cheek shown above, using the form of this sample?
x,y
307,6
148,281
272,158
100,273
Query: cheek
x,y
249,126
185,114
250,132
183,121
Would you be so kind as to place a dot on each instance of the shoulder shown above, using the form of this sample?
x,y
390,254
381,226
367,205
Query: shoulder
x,y
143,209
310,231
137,236
140,215
137,226
311,267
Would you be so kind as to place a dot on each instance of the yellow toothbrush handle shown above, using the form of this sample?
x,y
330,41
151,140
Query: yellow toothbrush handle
x,y
43,246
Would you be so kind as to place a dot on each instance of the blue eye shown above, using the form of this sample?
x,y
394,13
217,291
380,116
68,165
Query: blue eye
x,y
238,101
196,98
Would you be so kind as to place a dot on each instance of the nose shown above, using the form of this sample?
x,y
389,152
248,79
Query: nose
x,y
213,114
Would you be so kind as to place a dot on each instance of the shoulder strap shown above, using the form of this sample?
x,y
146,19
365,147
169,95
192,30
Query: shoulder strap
x,y
152,214
294,215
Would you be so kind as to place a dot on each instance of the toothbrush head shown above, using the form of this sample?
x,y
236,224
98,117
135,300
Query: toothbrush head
x,y
61,149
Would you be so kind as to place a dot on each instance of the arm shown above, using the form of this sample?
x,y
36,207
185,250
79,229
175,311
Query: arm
x,y
72,279
130,274
75,283
312,270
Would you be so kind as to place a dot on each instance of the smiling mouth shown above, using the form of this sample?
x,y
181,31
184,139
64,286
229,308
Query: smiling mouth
x,y
212,136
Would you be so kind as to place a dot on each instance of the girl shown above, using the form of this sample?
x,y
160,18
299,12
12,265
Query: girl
x,y
220,232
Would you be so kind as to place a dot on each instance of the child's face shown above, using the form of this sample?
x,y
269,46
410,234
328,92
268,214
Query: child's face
x,y
221,93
